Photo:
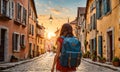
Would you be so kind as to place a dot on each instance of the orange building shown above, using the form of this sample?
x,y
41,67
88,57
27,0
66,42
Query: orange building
x,y
32,29
13,29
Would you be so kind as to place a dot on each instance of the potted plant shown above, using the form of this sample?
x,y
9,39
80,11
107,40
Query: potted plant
x,y
23,46
13,59
116,61
94,58
101,59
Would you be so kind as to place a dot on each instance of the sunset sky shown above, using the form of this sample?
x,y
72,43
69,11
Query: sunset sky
x,y
60,10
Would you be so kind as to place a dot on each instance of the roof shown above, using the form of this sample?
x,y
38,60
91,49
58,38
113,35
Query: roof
x,y
87,6
34,8
74,22
81,10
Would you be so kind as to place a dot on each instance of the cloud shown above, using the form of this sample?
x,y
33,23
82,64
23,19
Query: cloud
x,y
65,9
55,11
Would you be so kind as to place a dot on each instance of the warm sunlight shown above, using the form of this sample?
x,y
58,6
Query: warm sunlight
x,y
50,34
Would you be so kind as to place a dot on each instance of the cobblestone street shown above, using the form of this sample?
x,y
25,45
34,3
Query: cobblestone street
x,y
44,64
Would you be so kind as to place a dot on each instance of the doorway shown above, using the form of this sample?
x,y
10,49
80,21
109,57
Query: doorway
x,y
2,43
110,49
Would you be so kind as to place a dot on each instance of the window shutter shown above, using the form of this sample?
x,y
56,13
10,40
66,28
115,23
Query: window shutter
x,y
13,41
95,44
1,6
24,39
91,45
16,11
90,23
108,3
104,6
22,14
94,21
11,8
100,45
18,45
8,9
0,36
29,28
32,30
98,9
20,40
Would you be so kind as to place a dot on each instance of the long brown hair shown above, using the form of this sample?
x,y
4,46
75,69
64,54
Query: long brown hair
x,y
66,30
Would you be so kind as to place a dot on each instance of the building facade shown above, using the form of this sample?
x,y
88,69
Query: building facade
x,y
40,30
103,15
32,29
13,29
74,25
91,26
81,27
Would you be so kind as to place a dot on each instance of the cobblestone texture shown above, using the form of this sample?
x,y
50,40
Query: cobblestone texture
x,y
44,64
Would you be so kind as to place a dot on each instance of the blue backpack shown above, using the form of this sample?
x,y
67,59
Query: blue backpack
x,y
71,52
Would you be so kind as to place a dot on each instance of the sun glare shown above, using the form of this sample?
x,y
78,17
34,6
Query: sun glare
x,y
50,34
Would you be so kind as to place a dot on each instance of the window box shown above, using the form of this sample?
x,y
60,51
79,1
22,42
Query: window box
x,y
17,21
23,46
13,59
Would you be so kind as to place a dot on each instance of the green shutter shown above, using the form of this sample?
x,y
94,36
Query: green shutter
x,y
98,9
108,3
104,7
100,45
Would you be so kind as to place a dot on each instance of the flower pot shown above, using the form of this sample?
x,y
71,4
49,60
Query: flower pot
x,y
116,64
14,60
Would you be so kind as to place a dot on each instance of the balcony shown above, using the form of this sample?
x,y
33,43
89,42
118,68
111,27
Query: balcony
x,y
17,21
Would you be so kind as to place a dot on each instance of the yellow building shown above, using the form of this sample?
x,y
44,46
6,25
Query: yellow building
x,y
91,26
107,29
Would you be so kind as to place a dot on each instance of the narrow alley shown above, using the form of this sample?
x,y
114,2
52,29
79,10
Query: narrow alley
x,y
44,63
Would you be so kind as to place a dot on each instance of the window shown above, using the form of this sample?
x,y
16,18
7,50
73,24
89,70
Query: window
x,y
91,22
19,9
11,9
32,29
92,6
16,42
99,9
103,7
106,5
30,51
100,45
94,21
24,16
7,8
22,40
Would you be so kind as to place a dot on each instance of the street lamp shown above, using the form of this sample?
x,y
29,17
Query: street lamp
x,y
50,18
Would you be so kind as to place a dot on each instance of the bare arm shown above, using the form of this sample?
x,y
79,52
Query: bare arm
x,y
56,56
